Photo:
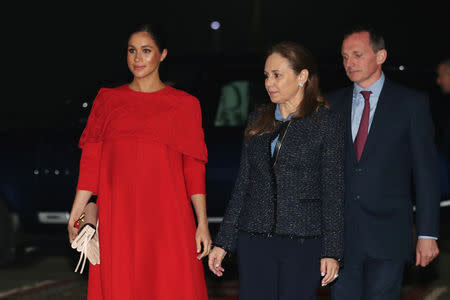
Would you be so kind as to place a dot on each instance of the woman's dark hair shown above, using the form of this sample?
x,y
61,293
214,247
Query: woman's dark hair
x,y
299,59
155,31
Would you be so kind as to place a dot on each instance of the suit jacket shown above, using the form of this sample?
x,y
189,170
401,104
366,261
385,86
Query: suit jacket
x,y
398,165
302,196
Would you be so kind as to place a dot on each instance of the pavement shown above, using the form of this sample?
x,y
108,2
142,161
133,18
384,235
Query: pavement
x,y
47,273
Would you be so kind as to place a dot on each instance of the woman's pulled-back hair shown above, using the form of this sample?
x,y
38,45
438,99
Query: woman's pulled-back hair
x,y
155,31
299,58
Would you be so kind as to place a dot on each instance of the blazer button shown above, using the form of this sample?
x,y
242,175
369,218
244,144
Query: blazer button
x,y
357,197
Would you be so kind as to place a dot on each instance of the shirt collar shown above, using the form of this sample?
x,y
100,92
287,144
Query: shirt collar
x,y
375,88
279,117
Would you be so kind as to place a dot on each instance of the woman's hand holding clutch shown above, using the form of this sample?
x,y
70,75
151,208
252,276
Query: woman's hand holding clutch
x,y
73,231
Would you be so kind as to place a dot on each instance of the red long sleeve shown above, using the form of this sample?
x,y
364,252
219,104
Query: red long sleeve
x,y
89,167
91,142
194,175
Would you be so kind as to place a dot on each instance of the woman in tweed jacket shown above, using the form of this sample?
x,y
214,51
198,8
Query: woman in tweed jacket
x,y
285,217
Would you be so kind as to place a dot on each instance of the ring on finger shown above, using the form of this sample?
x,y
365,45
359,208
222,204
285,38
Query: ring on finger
x,y
336,275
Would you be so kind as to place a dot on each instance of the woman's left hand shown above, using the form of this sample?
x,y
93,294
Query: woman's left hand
x,y
329,269
203,238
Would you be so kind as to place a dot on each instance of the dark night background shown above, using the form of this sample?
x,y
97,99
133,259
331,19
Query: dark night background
x,y
58,56
55,58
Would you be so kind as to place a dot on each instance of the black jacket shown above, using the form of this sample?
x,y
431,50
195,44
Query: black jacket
x,y
302,196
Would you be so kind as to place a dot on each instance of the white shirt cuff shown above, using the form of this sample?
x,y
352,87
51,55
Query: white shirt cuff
x,y
427,237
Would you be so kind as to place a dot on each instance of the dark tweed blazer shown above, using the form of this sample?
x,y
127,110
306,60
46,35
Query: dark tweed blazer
x,y
302,196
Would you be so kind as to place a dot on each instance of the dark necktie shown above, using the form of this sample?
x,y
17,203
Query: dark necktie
x,y
363,130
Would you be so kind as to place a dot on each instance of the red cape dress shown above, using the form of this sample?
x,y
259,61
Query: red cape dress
x,y
143,155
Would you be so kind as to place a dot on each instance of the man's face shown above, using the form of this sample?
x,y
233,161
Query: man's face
x,y
361,63
443,78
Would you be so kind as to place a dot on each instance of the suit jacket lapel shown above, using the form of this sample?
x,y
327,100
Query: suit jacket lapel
x,y
348,98
377,121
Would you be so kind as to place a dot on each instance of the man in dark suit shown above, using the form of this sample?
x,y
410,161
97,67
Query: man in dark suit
x,y
390,160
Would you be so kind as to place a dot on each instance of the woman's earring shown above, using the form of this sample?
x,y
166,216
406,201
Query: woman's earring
x,y
301,84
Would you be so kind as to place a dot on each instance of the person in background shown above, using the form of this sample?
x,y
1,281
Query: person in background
x,y
443,78
144,155
285,217
389,140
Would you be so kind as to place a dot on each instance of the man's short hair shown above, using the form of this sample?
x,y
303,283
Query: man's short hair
x,y
376,38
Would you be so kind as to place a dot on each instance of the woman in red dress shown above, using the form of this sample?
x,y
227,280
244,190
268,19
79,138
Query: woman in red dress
x,y
144,155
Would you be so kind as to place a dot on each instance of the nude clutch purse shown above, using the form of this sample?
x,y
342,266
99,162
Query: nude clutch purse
x,y
86,241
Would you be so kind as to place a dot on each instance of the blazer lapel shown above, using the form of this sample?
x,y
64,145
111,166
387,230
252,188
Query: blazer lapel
x,y
348,98
377,122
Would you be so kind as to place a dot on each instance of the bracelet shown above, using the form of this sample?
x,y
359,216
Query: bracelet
x,y
80,221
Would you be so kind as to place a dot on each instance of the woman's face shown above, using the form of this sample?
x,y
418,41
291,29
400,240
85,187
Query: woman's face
x,y
143,55
282,83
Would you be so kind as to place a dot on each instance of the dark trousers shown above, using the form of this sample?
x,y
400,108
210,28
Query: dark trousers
x,y
367,278
278,268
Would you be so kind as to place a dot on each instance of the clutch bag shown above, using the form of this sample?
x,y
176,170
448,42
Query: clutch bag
x,y
86,241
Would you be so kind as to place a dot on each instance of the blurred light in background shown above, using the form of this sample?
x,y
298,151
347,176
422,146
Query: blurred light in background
x,y
85,104
401,67
215,25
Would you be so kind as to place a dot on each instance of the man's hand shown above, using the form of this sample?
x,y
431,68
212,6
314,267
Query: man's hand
x,y
426,251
